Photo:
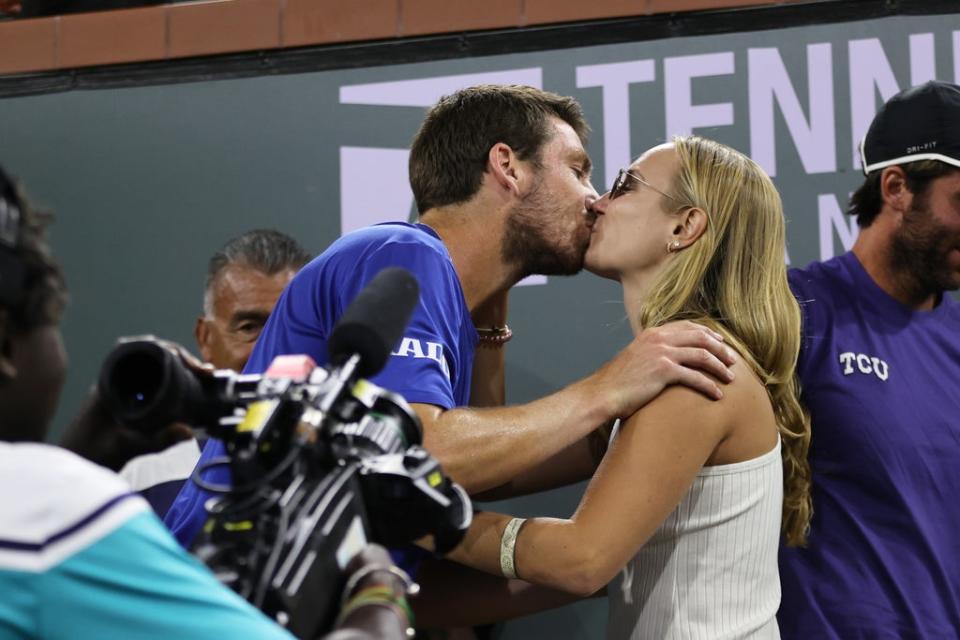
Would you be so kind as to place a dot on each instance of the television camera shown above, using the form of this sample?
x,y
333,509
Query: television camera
x,y
322,461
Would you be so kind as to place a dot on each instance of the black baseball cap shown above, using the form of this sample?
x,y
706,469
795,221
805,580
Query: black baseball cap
x,y
922,123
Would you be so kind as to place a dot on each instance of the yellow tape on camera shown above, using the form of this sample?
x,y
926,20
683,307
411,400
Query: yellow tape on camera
x,y
258,413
243,525
365,392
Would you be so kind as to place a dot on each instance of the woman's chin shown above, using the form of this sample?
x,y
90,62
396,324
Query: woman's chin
x,y
600,270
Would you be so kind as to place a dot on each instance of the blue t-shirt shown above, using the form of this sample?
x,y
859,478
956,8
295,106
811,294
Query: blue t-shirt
x,y
432,364
83,557
882,383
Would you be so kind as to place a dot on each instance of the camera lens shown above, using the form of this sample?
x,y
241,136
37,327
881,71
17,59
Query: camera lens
x,y
136,379
146,387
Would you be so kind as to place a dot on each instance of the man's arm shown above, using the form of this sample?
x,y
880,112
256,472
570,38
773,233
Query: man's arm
x,y
642,478
576,463
454,595
488,383
484,448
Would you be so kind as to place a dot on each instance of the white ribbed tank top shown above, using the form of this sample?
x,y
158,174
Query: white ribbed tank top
x,y
710,570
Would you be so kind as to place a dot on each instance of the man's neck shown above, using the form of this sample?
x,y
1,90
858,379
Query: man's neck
x,y
473,235
874,252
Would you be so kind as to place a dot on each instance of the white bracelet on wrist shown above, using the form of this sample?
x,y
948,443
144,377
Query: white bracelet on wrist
x,y
507,543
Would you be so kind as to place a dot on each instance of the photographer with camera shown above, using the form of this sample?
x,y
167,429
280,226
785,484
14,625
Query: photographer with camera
x,y
322,460
244,279
81,556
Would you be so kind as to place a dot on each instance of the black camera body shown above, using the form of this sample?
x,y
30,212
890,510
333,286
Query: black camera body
x,y
322,462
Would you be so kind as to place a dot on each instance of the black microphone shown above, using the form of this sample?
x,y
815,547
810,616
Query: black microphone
x,y
374,322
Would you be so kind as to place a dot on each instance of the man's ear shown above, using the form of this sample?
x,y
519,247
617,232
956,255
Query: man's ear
x,y
894,190
691,224
504,167
201,333
7,369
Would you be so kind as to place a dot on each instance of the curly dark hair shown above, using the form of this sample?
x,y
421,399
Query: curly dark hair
x,y
43,296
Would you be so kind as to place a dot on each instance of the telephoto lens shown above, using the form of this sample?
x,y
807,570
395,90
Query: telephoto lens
x,y
147,387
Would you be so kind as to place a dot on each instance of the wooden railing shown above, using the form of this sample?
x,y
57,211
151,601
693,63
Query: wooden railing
x,y
184,30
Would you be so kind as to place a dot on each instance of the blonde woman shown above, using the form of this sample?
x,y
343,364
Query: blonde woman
x,y
690,500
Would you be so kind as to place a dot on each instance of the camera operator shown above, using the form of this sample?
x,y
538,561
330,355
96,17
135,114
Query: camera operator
x,y
80,554
244,279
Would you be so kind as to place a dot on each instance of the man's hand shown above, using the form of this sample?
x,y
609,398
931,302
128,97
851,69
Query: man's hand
x,y
97,436
677,353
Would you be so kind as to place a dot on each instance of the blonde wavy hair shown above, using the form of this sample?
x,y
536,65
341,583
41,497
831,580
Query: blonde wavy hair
x,y
734,280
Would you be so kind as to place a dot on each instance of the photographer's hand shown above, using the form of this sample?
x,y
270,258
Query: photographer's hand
x,y
97,436
375,603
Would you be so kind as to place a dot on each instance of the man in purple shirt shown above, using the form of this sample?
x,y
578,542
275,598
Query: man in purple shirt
x,y
880,369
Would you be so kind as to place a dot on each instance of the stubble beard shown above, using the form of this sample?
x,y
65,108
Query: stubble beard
x,y
526,245
918,252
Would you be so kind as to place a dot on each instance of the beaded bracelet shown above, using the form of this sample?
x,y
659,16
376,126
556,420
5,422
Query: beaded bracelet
x,y
382,595
495,336
380,592
399,608
410,587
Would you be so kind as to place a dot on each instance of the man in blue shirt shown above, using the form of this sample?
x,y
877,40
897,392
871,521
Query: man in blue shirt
x,y
502,183
880,370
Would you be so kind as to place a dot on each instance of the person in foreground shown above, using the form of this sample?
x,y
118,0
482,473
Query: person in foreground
x,y
693,494
880,368
81,555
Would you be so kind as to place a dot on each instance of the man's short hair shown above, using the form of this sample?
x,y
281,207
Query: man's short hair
x,y
41,294
449,153
265,250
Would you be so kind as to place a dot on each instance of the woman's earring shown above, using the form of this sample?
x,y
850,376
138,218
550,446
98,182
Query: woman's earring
x,y
673,246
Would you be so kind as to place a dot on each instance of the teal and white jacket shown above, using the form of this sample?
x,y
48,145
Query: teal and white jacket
x,y
82,556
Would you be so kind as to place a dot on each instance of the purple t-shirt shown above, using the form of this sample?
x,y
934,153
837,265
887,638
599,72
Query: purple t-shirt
x,y
433,363
882,383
